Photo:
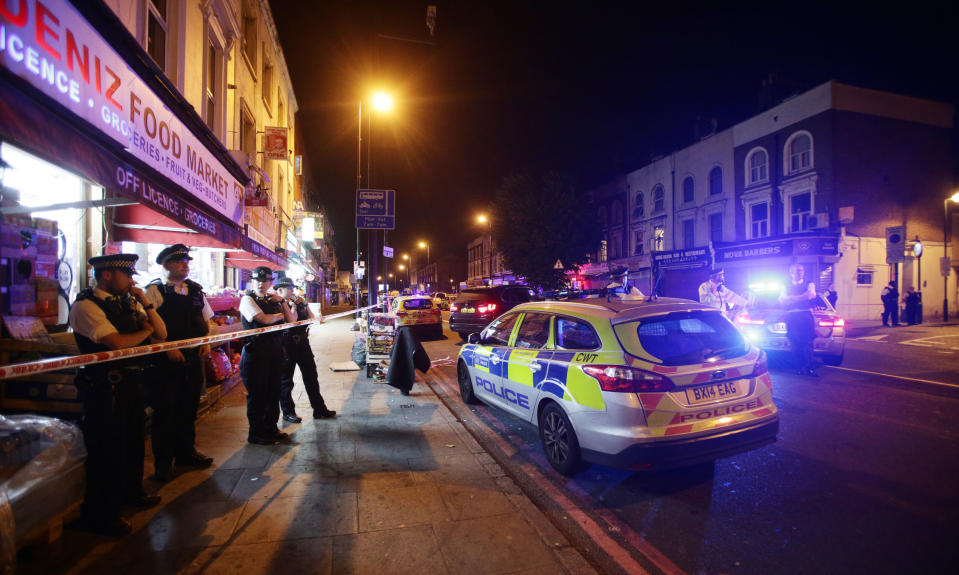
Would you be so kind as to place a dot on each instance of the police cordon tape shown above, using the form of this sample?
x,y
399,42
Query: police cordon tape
x,y
55,363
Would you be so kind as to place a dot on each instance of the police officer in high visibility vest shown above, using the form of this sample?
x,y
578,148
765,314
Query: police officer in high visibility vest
x,y
115,315
296,343
262,359
174,389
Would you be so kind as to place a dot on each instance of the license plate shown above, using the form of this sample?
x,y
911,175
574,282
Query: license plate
x,y
715,392
468,310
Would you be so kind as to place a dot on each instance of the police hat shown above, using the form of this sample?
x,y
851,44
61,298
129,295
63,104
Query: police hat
x,y
173,253
283,282
716,272
125,262
262,274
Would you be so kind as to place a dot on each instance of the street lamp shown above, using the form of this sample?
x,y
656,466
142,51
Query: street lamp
x,y
425,245
945,255
917,252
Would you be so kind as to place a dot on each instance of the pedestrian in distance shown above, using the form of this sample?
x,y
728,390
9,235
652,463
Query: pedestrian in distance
x,y
114,315
832,296
296,345
890,304
911,299
797,298
173,390
261,361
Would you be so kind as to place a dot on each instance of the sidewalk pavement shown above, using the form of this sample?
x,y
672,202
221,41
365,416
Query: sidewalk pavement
x,y
392,485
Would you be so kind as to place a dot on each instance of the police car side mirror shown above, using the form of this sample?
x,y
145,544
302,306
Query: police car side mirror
x,y
473,338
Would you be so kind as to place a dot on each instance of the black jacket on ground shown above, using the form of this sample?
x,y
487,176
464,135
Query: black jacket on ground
x,y
407,355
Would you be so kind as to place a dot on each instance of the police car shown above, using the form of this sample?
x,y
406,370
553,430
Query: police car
x,y
623,382
420,313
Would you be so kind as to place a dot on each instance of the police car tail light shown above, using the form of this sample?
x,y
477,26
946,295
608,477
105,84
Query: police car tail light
x,y
486,308
837,322
454,307
623,379
744,319
761,366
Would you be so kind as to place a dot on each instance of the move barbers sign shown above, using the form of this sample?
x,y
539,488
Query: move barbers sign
x,y
801,246
51,46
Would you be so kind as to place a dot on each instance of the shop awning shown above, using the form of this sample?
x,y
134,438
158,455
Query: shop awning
x,y
255,255
140,224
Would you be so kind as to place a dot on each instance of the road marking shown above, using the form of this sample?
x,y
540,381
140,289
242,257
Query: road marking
x,y
594,530
902,377
878,338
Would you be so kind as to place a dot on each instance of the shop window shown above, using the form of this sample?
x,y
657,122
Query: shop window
x,y
659,199
757,164
659,238
688,191
864,277
157,30
715,181
716,227
759,220
639,209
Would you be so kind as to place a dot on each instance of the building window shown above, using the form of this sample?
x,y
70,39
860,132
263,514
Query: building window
x,y
659,238
157,31
800,208
617,213
689,234
716,227
601,216
799,152
248,134
688,192
616,251
212,93
639,247
267,86
250,33
602,251
715,181
759,220
659,199
864,277
757,166
639,209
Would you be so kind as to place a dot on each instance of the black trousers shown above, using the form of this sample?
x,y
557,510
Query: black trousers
x,y
113,431
260,366
801,331
298,353
173,391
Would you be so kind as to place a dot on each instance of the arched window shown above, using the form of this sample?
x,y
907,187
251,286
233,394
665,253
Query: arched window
x,y
799,152
757,166
601,216
659,198
617,213
639,209
688,191
715,181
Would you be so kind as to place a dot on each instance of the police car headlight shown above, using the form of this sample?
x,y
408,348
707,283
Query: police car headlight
x,y
622,379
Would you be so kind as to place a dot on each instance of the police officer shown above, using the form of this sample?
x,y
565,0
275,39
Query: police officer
x,y
296,344
714,293
174,388
262,359
115,315
797,297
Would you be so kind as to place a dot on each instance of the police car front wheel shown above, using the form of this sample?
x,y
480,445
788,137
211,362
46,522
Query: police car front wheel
x,y
559,441
466,384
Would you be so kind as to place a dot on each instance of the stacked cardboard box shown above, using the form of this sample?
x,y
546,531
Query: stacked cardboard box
x,y
28,267
379,341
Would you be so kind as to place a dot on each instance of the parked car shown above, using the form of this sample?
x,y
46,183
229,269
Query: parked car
x,y
420,313
763,323
474,308
442,300
628,383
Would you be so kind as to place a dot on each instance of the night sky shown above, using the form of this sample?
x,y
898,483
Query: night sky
x,y
593,89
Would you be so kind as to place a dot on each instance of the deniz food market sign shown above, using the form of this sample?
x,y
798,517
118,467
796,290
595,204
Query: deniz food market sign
x,y
51,46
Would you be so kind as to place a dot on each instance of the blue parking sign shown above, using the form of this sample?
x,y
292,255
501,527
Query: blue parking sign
x,y
375,209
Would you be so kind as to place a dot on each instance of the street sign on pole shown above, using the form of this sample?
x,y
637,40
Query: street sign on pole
x,y
387,252
375,209
895,244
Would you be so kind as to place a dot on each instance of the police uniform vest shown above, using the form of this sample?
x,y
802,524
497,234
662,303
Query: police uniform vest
x,y
182,314
798,289
267,306
302,313
124,317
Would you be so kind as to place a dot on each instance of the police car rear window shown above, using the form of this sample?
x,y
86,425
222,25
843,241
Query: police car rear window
x,y
418,304
690,337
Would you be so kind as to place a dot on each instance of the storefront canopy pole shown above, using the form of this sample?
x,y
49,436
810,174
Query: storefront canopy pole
x,y
108,202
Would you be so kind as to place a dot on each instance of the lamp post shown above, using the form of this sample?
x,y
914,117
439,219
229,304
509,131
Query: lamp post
x,y
484,219
426,245
917,251
381,102
945,255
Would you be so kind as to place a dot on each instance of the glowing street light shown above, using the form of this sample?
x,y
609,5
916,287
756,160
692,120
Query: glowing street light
x,y
382,102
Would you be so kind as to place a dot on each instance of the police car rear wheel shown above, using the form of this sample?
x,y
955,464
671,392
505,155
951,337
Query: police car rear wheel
x,y
559,441
466,384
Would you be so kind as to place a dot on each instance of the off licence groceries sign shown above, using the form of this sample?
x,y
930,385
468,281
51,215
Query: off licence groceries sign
x,y
375,209
51,46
